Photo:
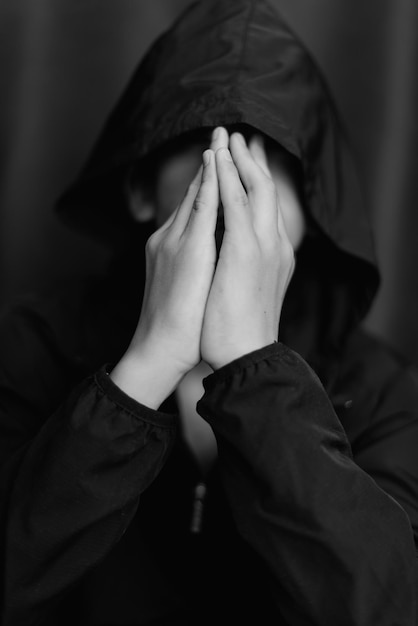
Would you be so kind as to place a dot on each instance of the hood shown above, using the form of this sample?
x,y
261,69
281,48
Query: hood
x,y
226,63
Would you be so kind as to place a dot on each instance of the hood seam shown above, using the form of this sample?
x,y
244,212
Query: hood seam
x,y
244,45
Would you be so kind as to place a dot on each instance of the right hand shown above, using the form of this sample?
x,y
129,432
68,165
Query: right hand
x,y
180,261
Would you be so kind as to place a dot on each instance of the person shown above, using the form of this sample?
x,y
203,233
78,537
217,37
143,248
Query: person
x,y
206,433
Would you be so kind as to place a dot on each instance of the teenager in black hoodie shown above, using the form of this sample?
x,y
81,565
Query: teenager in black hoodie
x,y
291,495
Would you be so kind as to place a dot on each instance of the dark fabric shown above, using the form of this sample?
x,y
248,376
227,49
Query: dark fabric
x,y
302,523
311,510
244,67
322,525
367,53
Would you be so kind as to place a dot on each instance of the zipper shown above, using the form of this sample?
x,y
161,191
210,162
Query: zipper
x,y
199,496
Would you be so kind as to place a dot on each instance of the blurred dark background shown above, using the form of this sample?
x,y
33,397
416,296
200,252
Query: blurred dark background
x,y
63,65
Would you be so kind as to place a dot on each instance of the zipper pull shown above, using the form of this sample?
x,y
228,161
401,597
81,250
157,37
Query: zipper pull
x,y
198,505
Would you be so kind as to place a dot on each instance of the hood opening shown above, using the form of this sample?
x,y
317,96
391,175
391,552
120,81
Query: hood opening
x,y
234,63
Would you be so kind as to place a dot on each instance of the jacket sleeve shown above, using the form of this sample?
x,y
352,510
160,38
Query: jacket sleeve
x,y
70,489
340,549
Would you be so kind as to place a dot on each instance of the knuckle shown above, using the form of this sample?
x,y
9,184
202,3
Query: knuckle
x,y
200,203
202,199
264,186
257,181
167,245
152,243
240,198
160,245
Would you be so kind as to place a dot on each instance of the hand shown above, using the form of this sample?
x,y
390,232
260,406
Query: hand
x,y
180,261
256,259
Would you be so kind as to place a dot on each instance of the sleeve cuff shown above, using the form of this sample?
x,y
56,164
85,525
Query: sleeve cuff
x,y
128,404
276,350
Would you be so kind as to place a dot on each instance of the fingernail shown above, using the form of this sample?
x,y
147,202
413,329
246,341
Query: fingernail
x,y
216,133
241,138
206,157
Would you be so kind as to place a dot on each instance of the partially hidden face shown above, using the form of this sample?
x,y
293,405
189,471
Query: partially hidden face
x,y
175,171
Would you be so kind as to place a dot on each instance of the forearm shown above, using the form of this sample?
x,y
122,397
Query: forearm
x,y
333,540
75,490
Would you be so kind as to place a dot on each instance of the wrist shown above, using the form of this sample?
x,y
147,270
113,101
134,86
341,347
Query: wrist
x,y
147,378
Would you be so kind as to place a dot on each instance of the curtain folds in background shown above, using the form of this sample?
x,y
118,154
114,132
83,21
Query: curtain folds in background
x,y
63,64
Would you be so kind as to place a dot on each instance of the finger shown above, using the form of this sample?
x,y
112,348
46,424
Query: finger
x,y
232,193
260,186
179,218
181,215
220,138
249,170
257,149
202,219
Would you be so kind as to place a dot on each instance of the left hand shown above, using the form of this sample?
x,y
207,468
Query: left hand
x,y
256,259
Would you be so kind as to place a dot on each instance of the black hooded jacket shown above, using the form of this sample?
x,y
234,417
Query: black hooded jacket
x,y
311,510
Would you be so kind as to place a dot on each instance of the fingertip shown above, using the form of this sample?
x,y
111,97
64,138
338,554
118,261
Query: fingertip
x,y
257,148
257,139
220,137
218,131
207,157
239,138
